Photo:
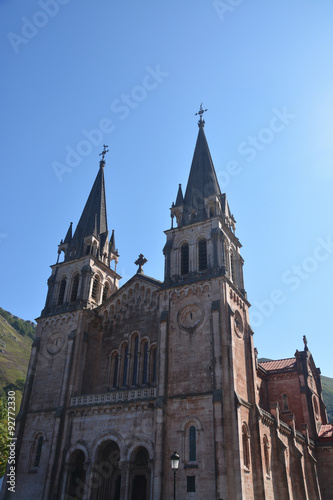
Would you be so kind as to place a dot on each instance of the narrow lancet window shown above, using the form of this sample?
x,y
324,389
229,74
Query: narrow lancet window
x,y
75,288
115,371
202,248
106,291
184,259
125,366
95,288
135,364
38,451
145,364
192,444
62,290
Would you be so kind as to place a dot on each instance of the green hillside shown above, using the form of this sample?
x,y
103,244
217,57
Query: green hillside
x,y
15,351
16,337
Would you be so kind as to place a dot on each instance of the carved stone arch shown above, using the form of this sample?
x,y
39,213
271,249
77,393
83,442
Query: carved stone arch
x,y
191,419
141,442
204,234
107,437
79,445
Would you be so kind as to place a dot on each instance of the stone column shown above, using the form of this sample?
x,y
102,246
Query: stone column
x,y
125,479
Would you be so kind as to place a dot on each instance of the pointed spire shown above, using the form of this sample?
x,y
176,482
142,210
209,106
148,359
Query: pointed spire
x,y
202,181
180,197
93,221
68,237
112,244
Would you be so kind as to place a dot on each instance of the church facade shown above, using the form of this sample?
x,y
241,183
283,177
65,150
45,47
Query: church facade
x,y
121,377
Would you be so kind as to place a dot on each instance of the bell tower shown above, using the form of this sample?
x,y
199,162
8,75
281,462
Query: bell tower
x,y
87,275
203,244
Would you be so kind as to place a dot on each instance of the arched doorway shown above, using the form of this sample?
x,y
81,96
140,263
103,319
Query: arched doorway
x,y
106,472
140,474
76,475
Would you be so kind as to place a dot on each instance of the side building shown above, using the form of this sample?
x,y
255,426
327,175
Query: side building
x,y
121,377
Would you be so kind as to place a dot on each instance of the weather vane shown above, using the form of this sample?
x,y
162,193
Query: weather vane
x,y
103,153
200,113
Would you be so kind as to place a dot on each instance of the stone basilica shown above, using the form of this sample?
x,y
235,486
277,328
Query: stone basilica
x,y
120,378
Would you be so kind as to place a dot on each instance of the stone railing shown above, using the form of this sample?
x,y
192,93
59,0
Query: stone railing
x,y
113,397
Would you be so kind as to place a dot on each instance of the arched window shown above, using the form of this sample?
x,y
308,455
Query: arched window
x,y
125,365
145,364
246,447
38,451
135,360
95,288
266,455
153,364
106,291
285,405
62,290
75,288
192,435
114,370
232,268
202,251
184,259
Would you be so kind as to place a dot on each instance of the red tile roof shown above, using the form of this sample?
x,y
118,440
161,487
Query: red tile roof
x,y
279,364
326,431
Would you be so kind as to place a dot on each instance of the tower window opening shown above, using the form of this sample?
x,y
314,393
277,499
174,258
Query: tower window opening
x,y
75,288
38,451
125,366
202,254
135,364
285,404
232,268
145,364
95,289
153,364
192,444
62,290
115,371
106,291
184,259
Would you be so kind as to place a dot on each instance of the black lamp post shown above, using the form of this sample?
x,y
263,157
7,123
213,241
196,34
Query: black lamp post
x,y
174,466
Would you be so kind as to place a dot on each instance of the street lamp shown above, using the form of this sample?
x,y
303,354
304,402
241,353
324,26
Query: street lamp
x,y
174,466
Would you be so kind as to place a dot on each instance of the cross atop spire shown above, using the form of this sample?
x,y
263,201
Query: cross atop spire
x,y
102,154
201,111
140,262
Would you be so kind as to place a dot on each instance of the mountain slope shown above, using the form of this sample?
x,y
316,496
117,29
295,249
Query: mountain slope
x,y
14,354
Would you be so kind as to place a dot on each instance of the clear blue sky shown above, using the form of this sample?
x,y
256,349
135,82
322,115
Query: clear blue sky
x,y
135,73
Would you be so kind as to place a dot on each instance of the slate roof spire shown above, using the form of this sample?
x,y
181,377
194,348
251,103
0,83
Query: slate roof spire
x,y
202,182
93,220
